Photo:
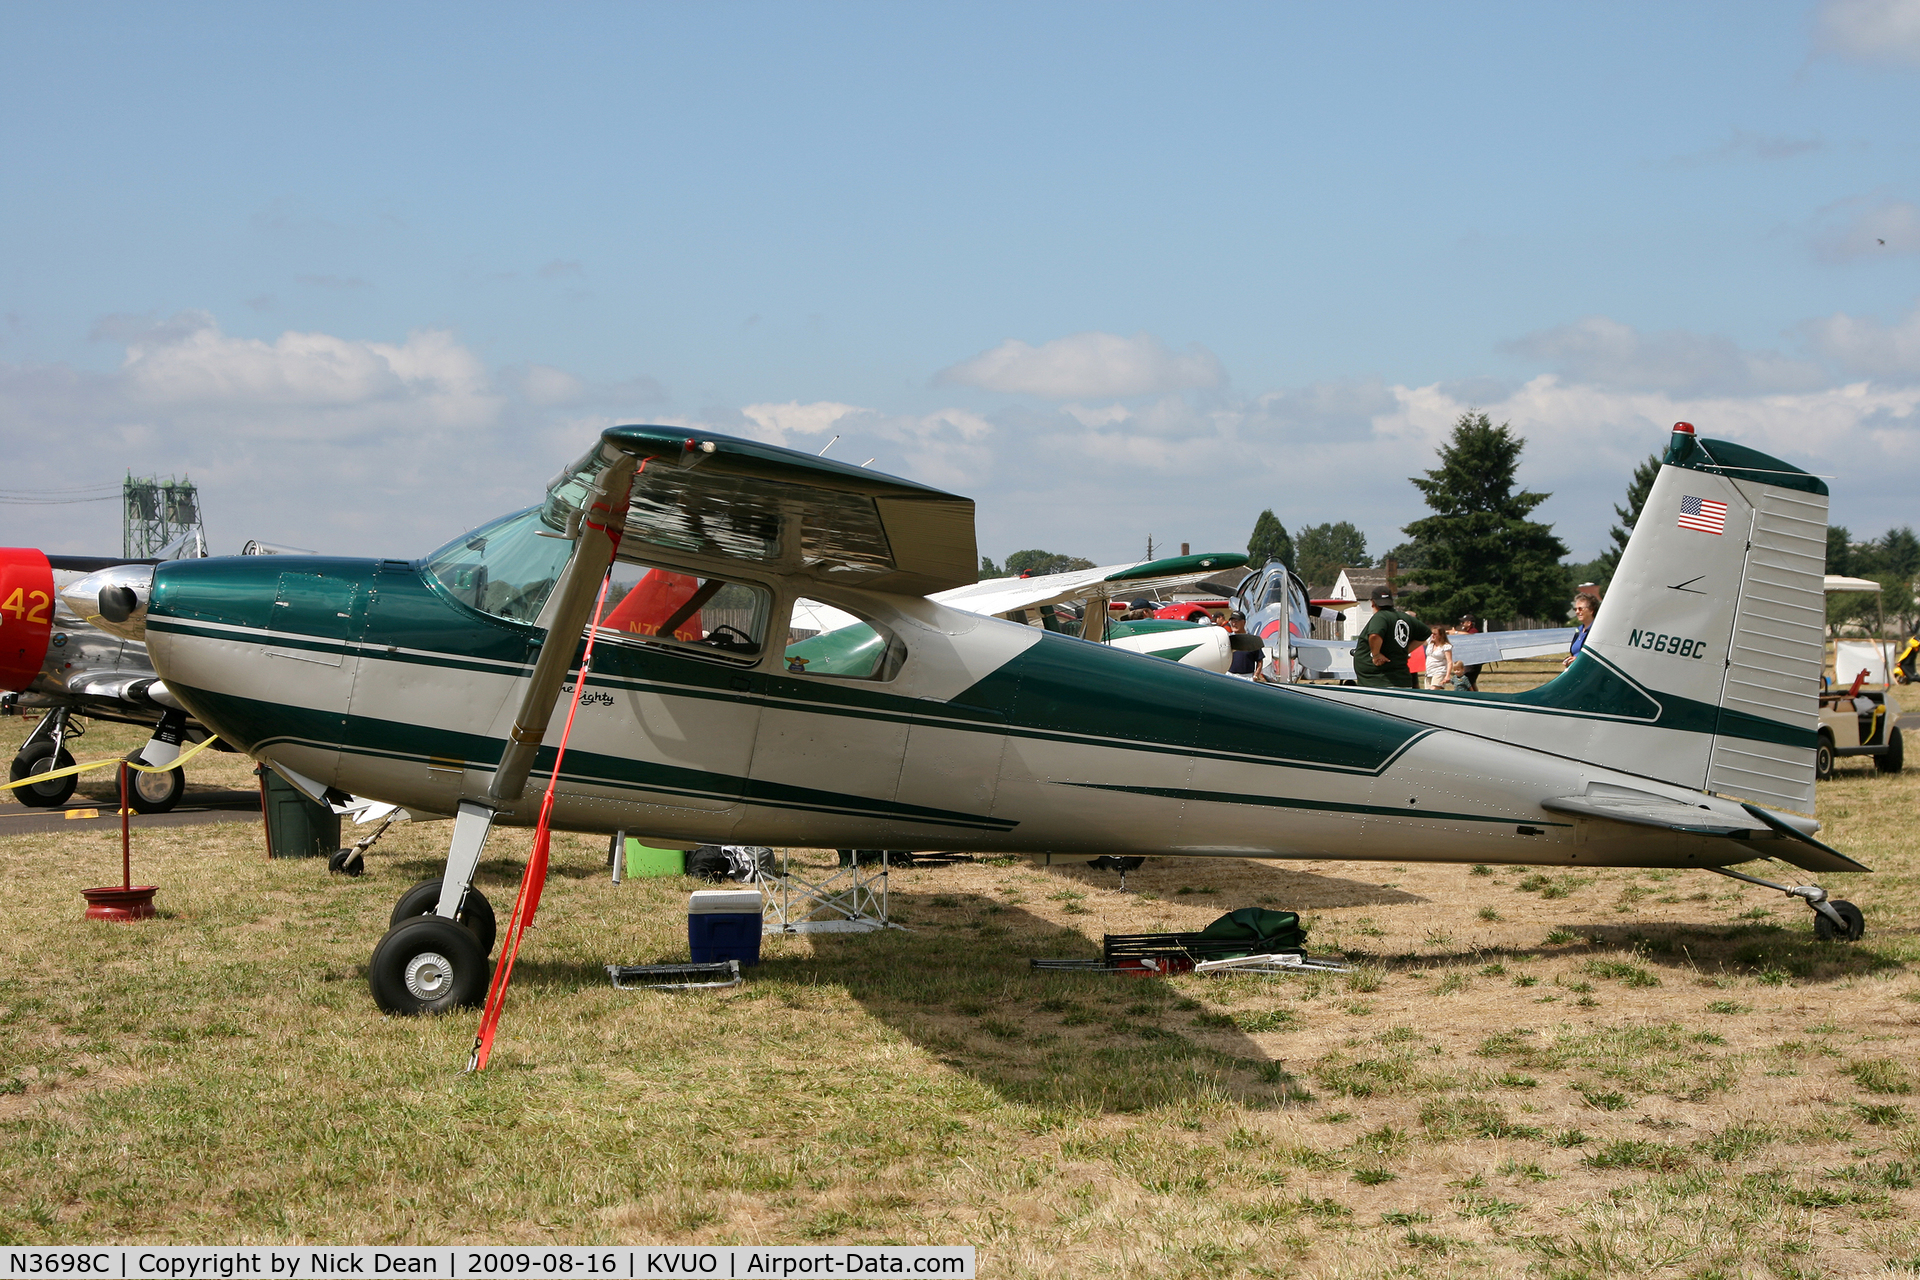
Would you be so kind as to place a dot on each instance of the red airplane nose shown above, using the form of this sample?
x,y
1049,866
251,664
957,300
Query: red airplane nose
x,y
26,615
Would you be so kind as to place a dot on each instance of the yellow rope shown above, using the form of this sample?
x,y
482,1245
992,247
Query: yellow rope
x,y
178,760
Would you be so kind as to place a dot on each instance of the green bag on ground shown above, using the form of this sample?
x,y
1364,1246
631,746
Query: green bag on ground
x,y
1262,930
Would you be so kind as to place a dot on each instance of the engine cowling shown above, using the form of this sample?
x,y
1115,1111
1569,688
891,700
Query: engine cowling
x,y
26,615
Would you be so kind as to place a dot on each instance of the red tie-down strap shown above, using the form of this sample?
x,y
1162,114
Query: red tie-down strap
x,y
534,879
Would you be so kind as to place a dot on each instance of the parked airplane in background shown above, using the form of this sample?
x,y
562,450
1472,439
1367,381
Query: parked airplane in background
x,y
54,661
1280,612
433,683
1092,593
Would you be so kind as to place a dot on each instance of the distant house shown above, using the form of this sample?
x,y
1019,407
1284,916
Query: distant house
x,y
1357,584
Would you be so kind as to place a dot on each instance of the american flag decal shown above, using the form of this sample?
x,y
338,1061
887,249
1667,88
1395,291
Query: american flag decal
x,y
1703,515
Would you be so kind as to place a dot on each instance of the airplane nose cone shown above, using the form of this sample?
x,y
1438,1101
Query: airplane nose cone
x,y
113,599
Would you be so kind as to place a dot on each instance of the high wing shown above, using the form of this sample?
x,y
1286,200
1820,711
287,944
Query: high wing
x,y
1504,646
1004,595
716,499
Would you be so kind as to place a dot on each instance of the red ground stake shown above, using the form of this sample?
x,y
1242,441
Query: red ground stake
x,y
129,901
535,876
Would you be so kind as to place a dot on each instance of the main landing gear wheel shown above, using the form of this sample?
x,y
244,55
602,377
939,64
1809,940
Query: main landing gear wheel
x,y
476,913
155,792
1827,931
43,757
428,965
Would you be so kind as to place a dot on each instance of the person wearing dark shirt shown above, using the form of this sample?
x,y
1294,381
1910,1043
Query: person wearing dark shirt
x,y
1380,659
1585,606
1245,665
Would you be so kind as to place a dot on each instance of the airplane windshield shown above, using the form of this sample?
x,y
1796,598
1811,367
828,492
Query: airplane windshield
x,y
504,568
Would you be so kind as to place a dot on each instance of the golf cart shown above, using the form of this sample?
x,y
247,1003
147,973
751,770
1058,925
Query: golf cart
x,y
1858,722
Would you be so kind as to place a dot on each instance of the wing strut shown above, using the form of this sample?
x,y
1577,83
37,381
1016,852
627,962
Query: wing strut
x,y
604,520
535,876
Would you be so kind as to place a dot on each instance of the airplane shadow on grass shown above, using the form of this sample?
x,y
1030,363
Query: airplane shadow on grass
x,y
1637,954
959,986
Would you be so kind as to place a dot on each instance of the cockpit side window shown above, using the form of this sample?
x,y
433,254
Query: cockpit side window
x,y
826,641
713,616
1275,589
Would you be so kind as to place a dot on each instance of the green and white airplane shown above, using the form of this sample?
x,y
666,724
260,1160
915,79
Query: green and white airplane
x,y
431,684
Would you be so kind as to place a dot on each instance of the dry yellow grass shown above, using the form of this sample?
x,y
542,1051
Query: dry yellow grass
x,y
1682,1083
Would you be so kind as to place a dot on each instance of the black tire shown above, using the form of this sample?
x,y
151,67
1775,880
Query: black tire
x,y
347,862
1894,757
1823,758
155,792
476,913
1825,930
39,757
428,965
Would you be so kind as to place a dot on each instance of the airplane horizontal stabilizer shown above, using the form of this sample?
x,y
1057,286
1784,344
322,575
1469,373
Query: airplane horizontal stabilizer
x,y
1653,811
1802,850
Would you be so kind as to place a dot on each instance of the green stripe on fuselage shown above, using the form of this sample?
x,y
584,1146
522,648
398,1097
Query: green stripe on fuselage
x,y
1321,806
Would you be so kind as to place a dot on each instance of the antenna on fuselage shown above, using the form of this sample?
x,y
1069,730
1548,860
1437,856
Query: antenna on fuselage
x,y
828,445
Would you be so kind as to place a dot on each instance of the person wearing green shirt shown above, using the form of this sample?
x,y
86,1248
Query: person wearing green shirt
x,y
1380,659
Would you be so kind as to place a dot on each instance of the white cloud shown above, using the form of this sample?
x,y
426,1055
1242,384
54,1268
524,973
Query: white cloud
x,y
1610,354
778,423
1866,347
1865,227
1088,366
1883,31
544,385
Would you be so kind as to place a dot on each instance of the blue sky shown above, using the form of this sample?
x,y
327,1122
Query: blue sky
x,y
370,273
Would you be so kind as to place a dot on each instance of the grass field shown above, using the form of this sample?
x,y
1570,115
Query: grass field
x,y
1604,1073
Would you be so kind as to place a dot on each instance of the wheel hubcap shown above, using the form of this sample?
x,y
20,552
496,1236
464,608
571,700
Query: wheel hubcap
x,y
153,786
429,974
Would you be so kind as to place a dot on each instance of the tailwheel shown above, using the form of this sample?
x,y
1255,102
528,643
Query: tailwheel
x,y
155,792
476,913
1827,931
428,965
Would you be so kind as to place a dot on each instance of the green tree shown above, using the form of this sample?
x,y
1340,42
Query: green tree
x,y
988,569
1041,563
1409,555
1637,490
1324,549
1488,558
1839,551
1269,542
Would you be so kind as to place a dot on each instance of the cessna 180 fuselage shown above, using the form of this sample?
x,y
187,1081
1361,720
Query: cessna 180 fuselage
x,y
432,684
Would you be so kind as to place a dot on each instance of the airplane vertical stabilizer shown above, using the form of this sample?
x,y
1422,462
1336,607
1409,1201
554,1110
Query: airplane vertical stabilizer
x,y
1704,663
1716,614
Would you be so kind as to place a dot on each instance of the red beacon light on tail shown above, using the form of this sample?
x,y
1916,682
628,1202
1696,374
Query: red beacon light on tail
x,y
1683,428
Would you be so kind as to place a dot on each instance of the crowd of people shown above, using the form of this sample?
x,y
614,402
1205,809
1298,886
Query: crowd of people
x,y
1384,651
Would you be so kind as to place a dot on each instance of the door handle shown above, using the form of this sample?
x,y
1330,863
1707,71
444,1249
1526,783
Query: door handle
x,y
743,684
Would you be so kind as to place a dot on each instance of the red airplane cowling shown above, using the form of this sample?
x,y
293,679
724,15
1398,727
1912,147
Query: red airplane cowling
x,y
26,615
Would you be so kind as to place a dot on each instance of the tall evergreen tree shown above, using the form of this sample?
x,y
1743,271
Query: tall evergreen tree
x,y
1487,558
1269,542
1637,490
1839,551
988,569
1324,549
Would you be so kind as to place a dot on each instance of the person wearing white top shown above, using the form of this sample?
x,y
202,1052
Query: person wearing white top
x,y
1441,668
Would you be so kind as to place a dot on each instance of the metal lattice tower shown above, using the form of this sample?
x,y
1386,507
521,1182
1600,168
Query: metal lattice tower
x,y
158,511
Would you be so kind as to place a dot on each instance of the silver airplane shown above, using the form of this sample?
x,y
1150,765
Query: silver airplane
x,y
55,661
1675,739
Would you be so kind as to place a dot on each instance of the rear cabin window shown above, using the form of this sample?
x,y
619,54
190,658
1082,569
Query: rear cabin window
x,y
647,605
827,641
